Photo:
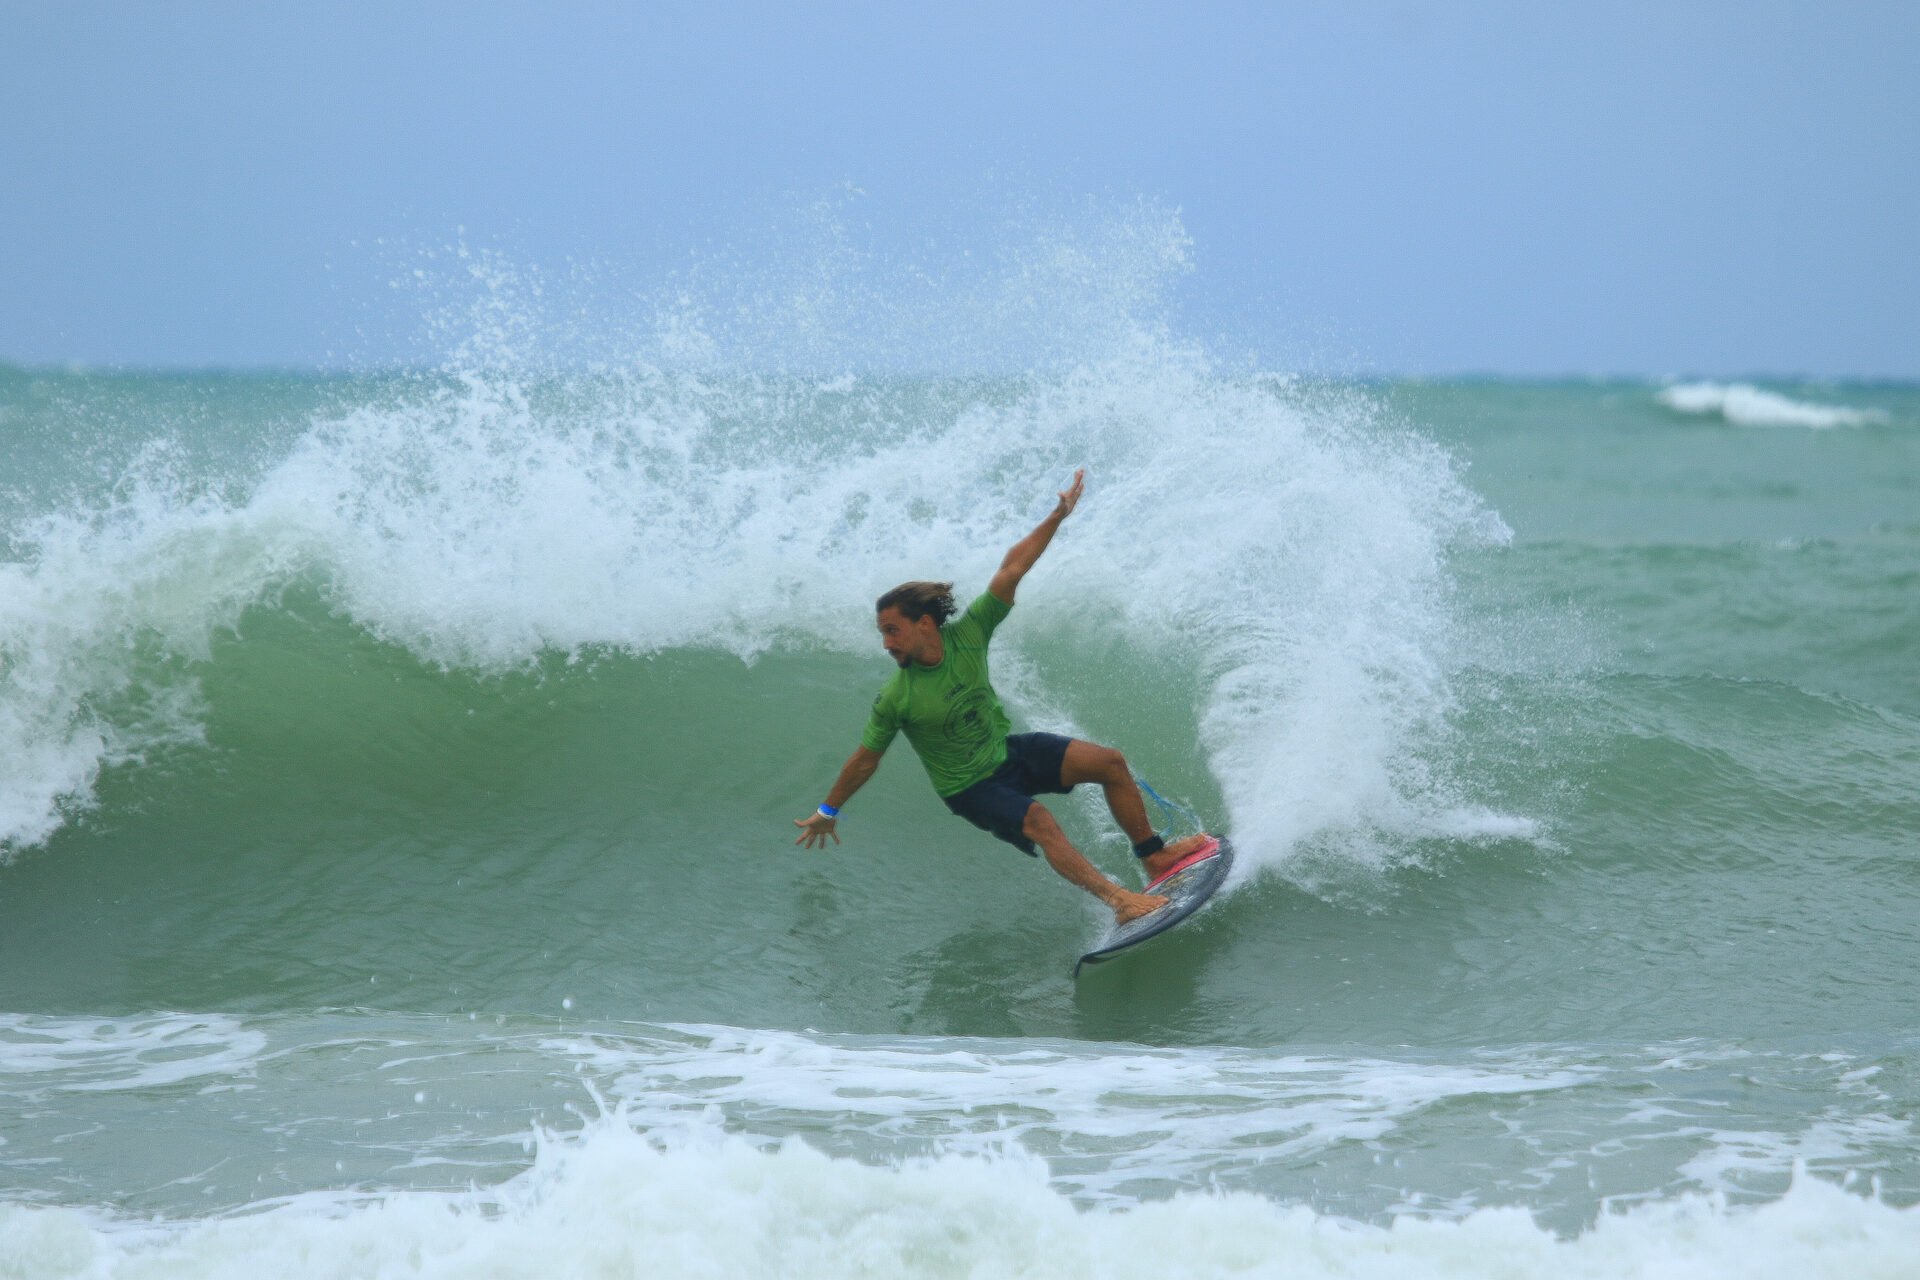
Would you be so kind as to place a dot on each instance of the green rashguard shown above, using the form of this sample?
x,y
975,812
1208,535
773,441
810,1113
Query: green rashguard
x,y
950,712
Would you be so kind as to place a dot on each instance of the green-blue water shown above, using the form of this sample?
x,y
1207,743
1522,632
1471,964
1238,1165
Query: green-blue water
x,y
394,766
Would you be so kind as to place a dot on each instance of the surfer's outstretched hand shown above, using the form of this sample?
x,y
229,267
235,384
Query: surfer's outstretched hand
x,y
1070,496
815,828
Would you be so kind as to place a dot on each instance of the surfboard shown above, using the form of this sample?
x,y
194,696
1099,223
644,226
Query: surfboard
x,y
1187,885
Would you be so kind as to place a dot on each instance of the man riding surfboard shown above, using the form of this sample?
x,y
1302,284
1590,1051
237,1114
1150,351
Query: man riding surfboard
x,y
942,699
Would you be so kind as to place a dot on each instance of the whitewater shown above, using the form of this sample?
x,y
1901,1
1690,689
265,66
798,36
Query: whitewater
x,y
397,770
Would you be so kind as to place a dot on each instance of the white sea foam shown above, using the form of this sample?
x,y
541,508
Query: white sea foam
x,y
1113,1118
878,1141
395,1104
1284,549
615,1203
1746,405
98,1055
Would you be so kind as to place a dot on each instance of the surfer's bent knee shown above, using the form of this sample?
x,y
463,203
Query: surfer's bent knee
x,y
1107,763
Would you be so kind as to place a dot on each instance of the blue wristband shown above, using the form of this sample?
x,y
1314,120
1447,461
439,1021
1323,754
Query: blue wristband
x,y
828,811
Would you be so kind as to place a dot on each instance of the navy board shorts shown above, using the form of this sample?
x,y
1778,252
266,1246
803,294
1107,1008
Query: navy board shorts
x,y
998,803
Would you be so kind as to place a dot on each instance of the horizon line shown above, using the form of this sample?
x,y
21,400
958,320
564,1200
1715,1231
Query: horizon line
x,y
76,368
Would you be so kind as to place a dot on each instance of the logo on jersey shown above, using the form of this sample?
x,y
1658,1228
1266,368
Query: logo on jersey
x,y
970,719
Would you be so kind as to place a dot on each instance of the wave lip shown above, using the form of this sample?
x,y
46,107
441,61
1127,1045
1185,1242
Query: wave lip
x,y
1745,405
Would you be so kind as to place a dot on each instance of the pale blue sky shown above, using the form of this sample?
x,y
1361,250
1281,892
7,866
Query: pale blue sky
x,y
1511,188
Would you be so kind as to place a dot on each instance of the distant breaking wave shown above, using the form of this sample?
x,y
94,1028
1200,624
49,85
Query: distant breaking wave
x,y
1746,405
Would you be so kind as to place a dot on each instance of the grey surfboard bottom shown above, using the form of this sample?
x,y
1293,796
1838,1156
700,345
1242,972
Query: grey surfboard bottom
x,y
1187,891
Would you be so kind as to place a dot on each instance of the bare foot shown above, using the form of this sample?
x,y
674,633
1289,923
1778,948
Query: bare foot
x,y
1159,862
1135,905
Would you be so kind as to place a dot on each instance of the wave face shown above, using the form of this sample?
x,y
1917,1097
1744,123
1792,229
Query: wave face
x,y
1279,552
397,774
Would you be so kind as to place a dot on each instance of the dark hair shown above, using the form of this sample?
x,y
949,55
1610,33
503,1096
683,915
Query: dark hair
x,y
915,600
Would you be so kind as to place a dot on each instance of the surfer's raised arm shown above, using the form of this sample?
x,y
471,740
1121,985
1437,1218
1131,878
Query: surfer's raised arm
x,y
1026,552
818,825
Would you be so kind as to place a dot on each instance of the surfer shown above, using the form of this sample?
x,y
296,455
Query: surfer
x,y
943,701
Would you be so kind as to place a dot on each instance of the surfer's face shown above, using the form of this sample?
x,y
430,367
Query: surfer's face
x,y
908,641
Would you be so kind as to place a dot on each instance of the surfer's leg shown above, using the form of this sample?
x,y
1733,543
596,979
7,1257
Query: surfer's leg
x,y
1089,762
1072,866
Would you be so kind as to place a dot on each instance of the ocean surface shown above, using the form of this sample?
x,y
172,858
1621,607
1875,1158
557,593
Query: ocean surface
x,y
397,775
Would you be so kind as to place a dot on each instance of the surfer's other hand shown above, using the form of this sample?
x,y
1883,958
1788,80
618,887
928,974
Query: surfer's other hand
x,y
815,828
